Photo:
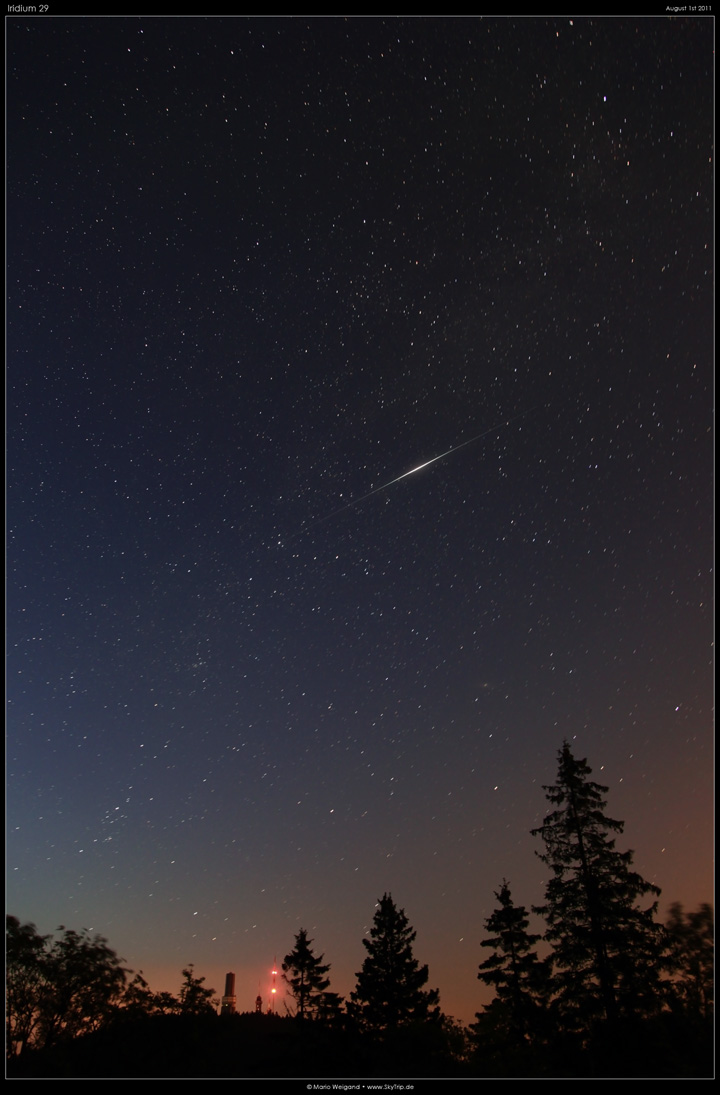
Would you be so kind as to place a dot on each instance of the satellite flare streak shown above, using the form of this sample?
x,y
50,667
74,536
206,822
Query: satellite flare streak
x,y
384,486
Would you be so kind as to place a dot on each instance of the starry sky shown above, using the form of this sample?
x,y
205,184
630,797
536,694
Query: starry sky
x,y
259,269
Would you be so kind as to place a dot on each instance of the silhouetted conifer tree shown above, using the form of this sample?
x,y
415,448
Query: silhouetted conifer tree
x,y
691,953
515,972
306,977
389,992
606,951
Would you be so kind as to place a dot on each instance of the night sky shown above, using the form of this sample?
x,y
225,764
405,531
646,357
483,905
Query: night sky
x,y
259,269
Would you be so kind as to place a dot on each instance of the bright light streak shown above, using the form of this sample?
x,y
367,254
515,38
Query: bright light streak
x,y
426,464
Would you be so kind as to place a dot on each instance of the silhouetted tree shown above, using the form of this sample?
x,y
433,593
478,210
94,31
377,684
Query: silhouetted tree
x,y
86,984
691,952
329,1007
25,985
164,1003
305,975
138,998
514,970
59,989
606,952
389,992
193,998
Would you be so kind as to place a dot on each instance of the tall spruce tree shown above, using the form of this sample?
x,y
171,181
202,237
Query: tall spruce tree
x,y
606,952
514,970
306,977
389,992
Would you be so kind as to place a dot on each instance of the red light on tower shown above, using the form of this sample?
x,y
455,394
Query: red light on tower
x,y
273,990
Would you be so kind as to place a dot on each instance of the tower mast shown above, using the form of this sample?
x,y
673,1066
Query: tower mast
x,y
273,990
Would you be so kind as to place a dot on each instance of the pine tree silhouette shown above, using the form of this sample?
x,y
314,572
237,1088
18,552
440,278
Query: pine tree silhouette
x,y
389,992
514,970
606,951
306,976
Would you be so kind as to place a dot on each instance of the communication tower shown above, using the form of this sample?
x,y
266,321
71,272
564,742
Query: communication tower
x,y
273,989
